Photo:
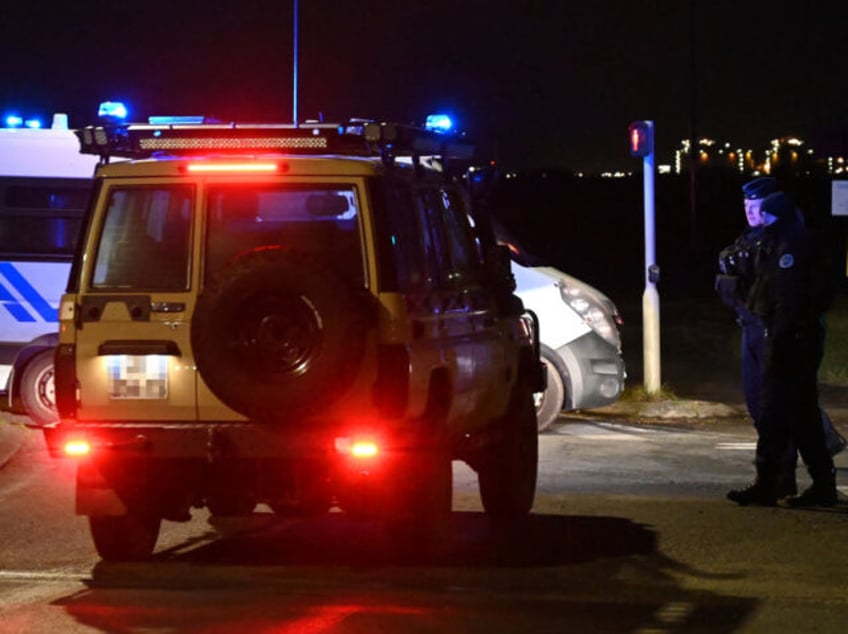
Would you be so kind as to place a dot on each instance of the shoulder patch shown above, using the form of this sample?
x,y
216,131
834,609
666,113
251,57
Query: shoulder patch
x,y
786,261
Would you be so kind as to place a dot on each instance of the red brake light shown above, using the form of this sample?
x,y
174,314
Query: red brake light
x,y
357,448
364,449
77,448
231,167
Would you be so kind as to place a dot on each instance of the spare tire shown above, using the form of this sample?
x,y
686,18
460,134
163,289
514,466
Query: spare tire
x,y
278,333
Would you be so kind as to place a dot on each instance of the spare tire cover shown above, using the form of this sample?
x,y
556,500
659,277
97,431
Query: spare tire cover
x,y
278,333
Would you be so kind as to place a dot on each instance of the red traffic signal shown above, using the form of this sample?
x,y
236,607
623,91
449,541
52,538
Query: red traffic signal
x,y
641,136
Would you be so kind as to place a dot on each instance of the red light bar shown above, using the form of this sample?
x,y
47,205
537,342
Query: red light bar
x,y
231,167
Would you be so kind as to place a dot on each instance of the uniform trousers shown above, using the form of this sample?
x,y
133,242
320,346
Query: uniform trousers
x,y
789,411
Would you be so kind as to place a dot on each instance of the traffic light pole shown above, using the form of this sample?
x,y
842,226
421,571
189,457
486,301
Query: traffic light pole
x,y
651,297
641,138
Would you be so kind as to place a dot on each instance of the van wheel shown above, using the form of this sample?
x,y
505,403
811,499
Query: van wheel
x,y
130,537
507,469
37,389
550,402
278,334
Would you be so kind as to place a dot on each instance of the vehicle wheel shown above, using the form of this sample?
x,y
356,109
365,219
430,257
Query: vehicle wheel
x,y
507,470
550,402
37,389
130,537
278,333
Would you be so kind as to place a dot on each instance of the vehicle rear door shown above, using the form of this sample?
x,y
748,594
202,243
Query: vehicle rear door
x,y
134,360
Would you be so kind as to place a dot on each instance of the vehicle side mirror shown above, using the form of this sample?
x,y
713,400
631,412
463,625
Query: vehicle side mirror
x,y
502,281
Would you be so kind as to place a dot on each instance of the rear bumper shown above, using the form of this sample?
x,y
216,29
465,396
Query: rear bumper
x,y
213,441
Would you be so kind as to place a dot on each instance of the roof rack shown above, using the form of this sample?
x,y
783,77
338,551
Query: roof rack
x,y
356,138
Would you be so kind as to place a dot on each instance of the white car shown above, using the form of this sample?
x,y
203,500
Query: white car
x,y
581,345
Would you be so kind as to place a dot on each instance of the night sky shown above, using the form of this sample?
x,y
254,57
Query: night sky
x,y
538,84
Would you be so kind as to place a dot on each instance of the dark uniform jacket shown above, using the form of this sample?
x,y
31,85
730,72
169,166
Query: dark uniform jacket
x,y
780,293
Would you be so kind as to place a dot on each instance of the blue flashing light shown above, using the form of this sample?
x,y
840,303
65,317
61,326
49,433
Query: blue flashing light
x,y
14,121
438,123
32,124
112,110
175,120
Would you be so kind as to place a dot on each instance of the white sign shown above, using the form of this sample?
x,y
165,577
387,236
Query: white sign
x,y
839,198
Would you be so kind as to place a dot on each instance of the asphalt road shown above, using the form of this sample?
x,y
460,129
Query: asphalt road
x,y
630,533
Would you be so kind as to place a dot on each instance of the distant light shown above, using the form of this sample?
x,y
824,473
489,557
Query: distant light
x,y
438,123
14,121
112,110
32,124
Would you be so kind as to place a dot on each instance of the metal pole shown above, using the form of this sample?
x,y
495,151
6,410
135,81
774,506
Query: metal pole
x,y
650,298
294,70
694,149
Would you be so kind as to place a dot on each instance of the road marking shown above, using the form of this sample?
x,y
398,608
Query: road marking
x,y
609,436
45,575
747,446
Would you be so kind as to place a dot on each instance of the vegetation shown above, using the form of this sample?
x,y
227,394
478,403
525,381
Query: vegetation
x,y
638,394
834,367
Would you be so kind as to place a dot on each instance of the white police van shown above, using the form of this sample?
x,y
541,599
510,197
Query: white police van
x,y
45,184
580,340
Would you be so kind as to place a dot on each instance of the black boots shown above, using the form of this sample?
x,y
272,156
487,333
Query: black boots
x,y
761,492
787,485
822,492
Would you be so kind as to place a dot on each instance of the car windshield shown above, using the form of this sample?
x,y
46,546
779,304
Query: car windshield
x,y
320,221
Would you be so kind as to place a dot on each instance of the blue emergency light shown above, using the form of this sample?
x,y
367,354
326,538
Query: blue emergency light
x,y
112,110
14,121
438,123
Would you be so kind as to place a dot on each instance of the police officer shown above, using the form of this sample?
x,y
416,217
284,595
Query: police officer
x,y
788,403
733,283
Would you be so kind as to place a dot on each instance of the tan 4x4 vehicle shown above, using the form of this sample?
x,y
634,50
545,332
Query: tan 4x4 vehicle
x,y
302,317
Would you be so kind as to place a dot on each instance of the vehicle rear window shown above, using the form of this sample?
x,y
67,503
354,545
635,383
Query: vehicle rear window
x,y
321,221
145,240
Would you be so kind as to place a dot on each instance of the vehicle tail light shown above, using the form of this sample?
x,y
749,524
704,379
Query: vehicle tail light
x,y
77,448
357,447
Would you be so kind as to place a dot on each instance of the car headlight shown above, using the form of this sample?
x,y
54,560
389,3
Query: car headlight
x,y
599,316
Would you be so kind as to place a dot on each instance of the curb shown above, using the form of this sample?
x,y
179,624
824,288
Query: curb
x,y
12,437
670,411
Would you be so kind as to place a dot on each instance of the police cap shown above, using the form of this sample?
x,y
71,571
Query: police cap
x,y
760,187
778,205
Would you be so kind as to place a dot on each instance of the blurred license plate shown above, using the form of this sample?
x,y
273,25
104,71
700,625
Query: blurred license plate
x,y
137,377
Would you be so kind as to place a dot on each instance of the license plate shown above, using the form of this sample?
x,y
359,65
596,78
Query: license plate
x,y
132,377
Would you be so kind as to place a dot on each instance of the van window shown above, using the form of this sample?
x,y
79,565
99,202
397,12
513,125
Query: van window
x,y
40,218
